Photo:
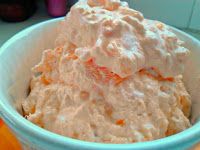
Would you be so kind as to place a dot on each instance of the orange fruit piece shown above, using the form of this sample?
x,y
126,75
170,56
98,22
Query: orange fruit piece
x,y
102,73
72,56
45,81
120,122
8,140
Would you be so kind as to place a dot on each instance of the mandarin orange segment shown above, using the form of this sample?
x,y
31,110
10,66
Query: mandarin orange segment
x,y
170,132
45,81
120,122
185,105
84,95
118,79
59,50
102,73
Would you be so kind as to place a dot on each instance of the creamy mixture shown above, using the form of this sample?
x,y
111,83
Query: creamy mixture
x,y
114,77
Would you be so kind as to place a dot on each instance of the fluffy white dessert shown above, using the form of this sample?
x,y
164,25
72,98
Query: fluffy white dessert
x,y
114,77
120,39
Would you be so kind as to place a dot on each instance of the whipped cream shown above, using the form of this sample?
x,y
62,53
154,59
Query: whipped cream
x,y
114,77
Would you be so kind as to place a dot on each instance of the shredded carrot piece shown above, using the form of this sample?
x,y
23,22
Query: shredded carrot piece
x,y
120,122
156,75
93,69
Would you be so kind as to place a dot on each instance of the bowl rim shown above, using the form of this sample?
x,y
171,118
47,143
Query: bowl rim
x,y
19,123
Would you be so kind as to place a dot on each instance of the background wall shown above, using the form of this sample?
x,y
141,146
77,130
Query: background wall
x,y
179,13
195,20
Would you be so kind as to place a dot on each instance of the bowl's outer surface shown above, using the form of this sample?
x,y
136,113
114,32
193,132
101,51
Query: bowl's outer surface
x,y
22,52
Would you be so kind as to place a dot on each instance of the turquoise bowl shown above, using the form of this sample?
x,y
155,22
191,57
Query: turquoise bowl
x,y
22,52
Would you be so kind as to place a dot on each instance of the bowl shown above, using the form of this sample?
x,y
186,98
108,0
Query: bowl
x,y
24,50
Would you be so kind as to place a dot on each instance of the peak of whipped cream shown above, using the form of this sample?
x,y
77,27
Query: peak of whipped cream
x,y
119,38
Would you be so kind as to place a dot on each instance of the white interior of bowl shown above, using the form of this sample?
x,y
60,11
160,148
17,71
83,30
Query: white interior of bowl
x,y
192,72
19,55
24,51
